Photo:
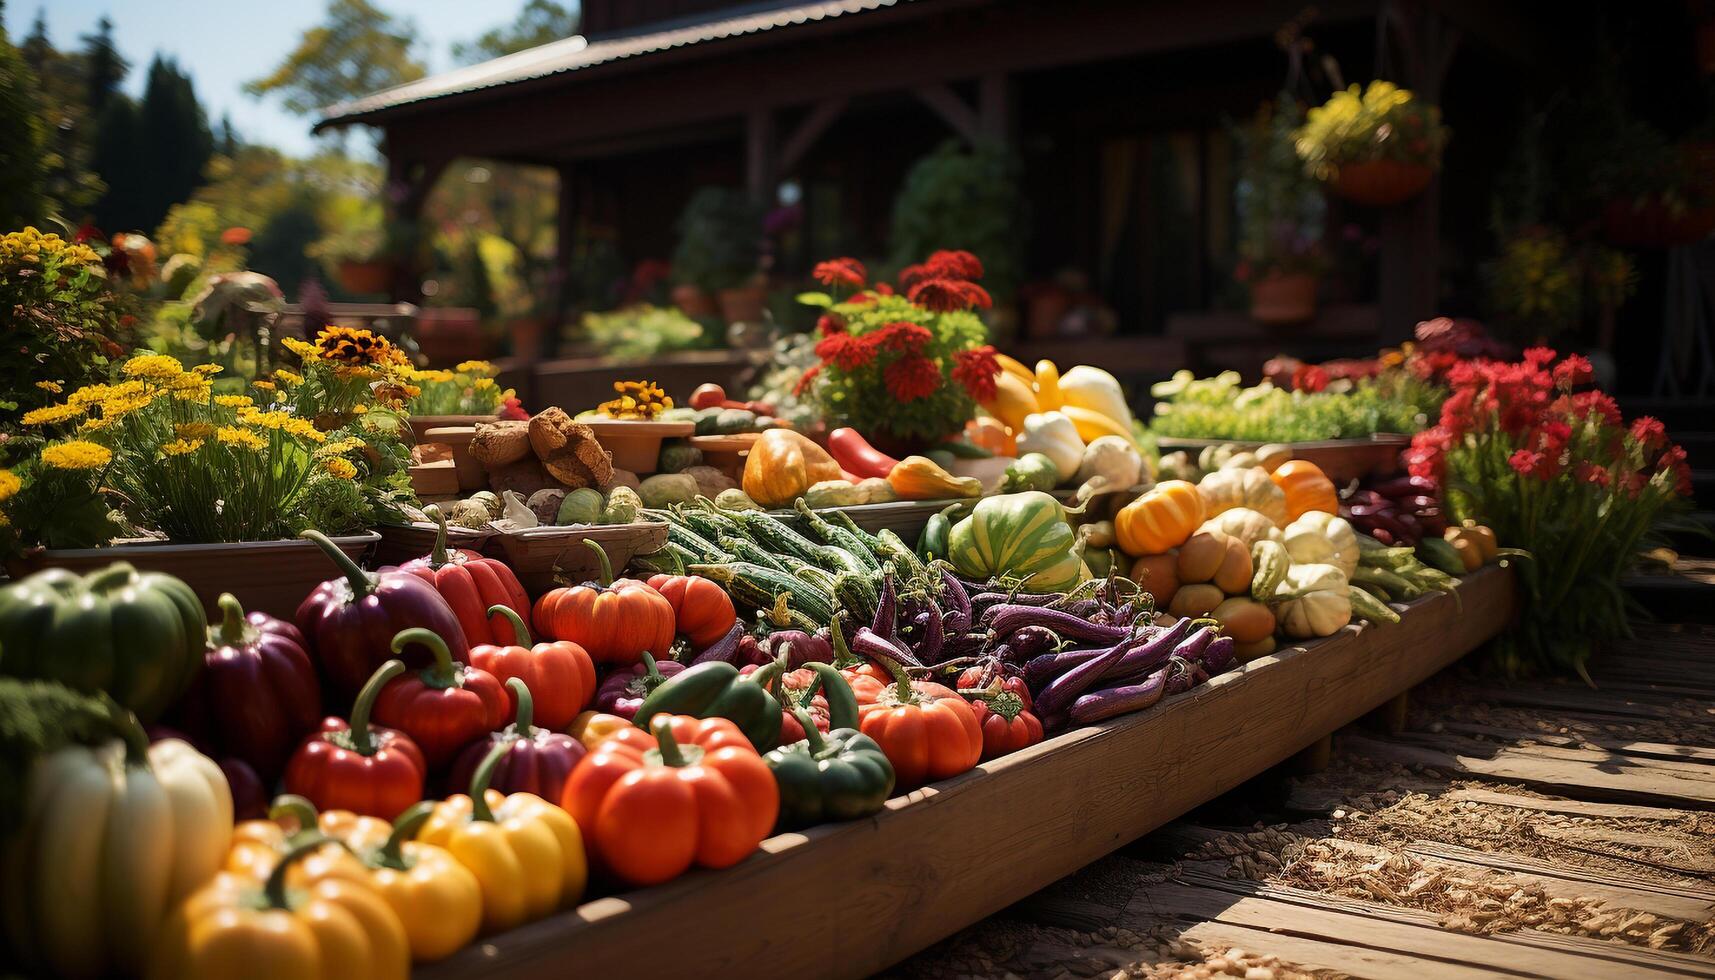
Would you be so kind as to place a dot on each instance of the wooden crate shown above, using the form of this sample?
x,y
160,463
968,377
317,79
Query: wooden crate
x,y
952,853
543,557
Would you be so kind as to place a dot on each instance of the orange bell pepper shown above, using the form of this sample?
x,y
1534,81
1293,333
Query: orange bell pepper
x,y
926,729
693,792
595,727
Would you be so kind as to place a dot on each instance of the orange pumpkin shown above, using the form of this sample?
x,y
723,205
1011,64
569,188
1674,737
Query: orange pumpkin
x,y
615,621
992,434
1306,487
701,608
1160,519
782,465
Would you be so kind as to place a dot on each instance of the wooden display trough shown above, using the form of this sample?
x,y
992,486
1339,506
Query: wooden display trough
x,y
846,900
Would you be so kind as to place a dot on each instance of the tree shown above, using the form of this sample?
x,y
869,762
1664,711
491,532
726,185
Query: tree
x,y
540,22
23,170
103,67
361,49
153,153
69,185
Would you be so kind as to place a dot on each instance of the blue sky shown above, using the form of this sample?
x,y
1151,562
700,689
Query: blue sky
x,y
224,43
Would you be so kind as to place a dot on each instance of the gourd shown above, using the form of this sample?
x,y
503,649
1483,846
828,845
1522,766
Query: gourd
x,y
623,506
735,499
1160,519
1021,535
1269,564
1245,524
1213,556
1245,620
663,489
1048,396
1096,390
921,478
1271,455
1092,425
710,481
1306,488
1317,603
876,490
1053,435
733,420
1032,471
991,434
833,493
678,458
1112,460
1012,401
1196,600
470,514
1159,576
490,502
1224,490
581,506
782,465
1322,537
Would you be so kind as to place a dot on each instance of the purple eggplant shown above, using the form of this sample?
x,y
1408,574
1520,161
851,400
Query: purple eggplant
x,y
1029,641
1040,670
1004,620
874,647
799,647
886,611
1218,655
1154,651
1063,690
932,638
725,650
958,613
1114,701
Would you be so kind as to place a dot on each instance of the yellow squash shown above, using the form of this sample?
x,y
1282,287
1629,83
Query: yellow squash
x,y
782,465
921,478
1013,399
1092,424
1048,396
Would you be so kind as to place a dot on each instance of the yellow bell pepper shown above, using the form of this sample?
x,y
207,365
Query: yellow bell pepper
x,y
526,853
234,927
112,838
1013,399
592,728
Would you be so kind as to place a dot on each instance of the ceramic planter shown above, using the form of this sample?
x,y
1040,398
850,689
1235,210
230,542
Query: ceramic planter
x,y
693,301
1381,183
1280,299
266,576
743,304
450,335
636,445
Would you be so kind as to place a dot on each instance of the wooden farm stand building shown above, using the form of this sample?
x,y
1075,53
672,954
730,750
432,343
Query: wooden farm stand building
x,y
1117,108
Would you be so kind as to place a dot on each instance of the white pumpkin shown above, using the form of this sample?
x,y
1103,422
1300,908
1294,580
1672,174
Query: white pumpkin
x,y
1317,536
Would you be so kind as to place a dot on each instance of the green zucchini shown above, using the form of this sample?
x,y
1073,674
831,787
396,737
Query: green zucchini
x,y
745,549
1438,553
897,551
838,537
757,587
702,547
856,595
869,540
1366,606
710,524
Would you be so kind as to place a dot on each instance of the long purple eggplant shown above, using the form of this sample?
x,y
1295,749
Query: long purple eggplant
x,y
885,613
1218,655
1063,690
958,601
1005,619
929,647
874,647
1145,657
724,649
988,600
1192,647
1114,701
1040,670
1029,641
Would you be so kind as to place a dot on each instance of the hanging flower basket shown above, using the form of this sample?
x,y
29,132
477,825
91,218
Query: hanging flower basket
x,y
1381,183
1281,299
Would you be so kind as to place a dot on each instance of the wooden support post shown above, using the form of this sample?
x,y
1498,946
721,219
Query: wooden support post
x,y
1314,758
952,109
565,246
824,115
759,154
409,182
1390,718
994,107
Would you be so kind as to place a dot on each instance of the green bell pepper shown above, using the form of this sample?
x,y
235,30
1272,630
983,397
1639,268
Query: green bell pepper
x,y
932,543
139,636
842,775
716,689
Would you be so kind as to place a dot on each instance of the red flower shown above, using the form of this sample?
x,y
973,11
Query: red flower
x,y
1674,460
911,275
976,370
1525,462
845,272
901,335
828,324
1573,371
805,379
514,410
1309,377
1596,403
846,352
955,264
1588,472
1649,432
949,295
883,289
862,299
1539,357
912,377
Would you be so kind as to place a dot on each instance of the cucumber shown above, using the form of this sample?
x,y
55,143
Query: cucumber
x,y
774,535
1438,553
1396,585
757,587
703,548
965,449
895,549
869,540
710,524
856,595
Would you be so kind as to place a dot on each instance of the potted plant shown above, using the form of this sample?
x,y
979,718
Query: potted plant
x,y
1280,218
1656,193
160,470
459,396
1379,146
364,256
904,363
720,253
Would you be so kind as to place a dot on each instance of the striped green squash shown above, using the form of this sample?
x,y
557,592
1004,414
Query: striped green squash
x,y
1019,535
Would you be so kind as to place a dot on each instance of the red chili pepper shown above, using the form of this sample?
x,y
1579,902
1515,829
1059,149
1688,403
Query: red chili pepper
x,y
855,455
357,766
561,672
472,585
443,706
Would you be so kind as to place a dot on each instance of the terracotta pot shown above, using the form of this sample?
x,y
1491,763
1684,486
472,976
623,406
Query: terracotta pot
x,y
1653,223
743,304
366,278
526,333
449,335
693,301
266,576
635,444
1283,298
1381,183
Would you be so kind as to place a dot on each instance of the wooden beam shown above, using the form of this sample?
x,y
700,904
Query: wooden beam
x,y
759,154
824,115
951,109
994,107
409,183
565,239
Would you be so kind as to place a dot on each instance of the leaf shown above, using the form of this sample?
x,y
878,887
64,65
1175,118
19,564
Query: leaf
x,y
815,299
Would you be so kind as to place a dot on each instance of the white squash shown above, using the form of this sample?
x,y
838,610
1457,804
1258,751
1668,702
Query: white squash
x,y
1317,536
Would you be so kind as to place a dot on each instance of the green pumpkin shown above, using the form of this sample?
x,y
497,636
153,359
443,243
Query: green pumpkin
x,y
138,636
1019,535
580,506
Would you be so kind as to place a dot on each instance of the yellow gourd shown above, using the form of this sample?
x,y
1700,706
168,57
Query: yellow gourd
x,y
920,478
1225,490
1013,399
1014,367
1048,396
1160,519
1092,424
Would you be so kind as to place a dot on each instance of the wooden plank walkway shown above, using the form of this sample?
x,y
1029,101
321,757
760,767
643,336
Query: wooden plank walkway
x,y
1525,829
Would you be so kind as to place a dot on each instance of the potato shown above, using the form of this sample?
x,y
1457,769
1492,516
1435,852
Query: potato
x,y
1200,557
1244,620
1234,575
1195,600
1159,576
1246,652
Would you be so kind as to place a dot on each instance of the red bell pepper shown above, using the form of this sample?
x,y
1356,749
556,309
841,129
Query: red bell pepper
x,y
536,760
472,585
357,766
442,706
257,695
350,622
623,691
561,672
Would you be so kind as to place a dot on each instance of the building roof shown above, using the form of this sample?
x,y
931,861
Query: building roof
x,y
576,53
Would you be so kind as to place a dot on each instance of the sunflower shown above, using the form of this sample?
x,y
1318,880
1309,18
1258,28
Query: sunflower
x,y
340,467
356,348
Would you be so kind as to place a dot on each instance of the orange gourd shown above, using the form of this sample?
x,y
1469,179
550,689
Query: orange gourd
x,y
614,620
702,609
921,478
782,465
992,434
1306,487
1160,519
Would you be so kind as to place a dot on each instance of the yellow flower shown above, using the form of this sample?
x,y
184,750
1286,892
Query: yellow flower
x,y
119,406
90,395
482,384
233,401
287,378
77,455
197,394
9,484
179,447
359,408
477,367
339,447
158,366
232,435
51,387
52,414
303,349
282,422
262,385
208,370
353,347
340,467
194,430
